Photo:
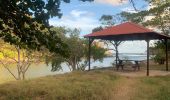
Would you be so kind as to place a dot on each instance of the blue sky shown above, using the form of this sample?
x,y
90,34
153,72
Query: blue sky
x,y
86,15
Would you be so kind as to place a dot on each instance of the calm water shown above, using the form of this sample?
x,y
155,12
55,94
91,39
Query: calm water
x,y
109,60
38,70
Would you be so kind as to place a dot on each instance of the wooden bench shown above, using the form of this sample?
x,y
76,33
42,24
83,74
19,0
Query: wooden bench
x,y
135,66
120,64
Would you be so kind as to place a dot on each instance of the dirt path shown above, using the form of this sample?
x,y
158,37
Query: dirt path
x,y
125,88
142,73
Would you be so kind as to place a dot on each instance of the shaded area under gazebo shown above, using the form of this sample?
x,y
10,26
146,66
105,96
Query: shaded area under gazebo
x,y
127,32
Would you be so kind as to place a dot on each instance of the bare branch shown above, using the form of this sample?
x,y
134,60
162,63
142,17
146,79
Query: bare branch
x,y
5,66
27,67
113,43
133,4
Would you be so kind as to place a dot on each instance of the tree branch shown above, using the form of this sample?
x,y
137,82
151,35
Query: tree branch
x,y
133,4
8,70
27,67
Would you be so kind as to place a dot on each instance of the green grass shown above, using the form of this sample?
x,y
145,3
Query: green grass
x,y
96,85
153,88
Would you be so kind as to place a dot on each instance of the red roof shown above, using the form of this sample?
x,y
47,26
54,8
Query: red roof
x,y
125,29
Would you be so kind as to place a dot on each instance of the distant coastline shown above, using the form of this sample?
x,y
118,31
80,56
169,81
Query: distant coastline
x,y
130,53
137,54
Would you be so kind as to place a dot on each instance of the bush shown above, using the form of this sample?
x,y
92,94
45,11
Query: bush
x,y
160,59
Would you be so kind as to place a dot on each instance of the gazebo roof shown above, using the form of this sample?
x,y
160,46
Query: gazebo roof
x,y
126,31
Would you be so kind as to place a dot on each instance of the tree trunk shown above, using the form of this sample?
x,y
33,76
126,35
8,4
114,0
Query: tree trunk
x,y
19,63
74,64
23,75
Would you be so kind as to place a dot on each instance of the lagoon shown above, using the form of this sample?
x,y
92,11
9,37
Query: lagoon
x,y
39,70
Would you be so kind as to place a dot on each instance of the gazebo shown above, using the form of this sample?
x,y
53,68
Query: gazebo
x,y
128,32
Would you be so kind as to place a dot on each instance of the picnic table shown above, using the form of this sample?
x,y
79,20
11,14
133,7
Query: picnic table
x,y
135,65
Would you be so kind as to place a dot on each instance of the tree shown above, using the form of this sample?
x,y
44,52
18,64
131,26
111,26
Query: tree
x,y
159,53
108,21
78,51
159,13
25,23
13,55
159,19
97,29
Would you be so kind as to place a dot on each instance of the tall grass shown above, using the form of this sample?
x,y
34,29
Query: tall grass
x,y
95,85
153,88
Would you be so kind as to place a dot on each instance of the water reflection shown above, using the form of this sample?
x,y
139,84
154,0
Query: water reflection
x,y
35,70
39,70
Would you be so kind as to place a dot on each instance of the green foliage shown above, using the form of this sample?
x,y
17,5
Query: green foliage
x,y
134,17
159,58
97,29
107,20
25,23
160,20
159,12
7,51
159,52
78,51
98,53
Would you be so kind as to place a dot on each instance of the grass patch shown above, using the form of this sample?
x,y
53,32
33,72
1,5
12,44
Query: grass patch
x,y
153,88
95,85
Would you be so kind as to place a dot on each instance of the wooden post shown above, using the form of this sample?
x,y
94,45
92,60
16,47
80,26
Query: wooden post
x,y
166,50
116,45
89,56
147,57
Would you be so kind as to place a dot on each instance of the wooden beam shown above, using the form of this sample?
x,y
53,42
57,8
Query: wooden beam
x,y
89,55
147,57
115,44
166,50
116,55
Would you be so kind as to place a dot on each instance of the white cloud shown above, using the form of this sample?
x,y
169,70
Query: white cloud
x,y
129,9
77,13
84,20
112,2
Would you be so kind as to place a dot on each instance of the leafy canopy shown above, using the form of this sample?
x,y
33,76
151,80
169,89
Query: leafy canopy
x,y
157,17
25,23
78,51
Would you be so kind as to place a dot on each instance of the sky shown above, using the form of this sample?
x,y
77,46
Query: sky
x,y
86,15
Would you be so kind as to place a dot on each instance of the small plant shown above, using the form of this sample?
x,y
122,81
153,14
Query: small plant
x,y
160,59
